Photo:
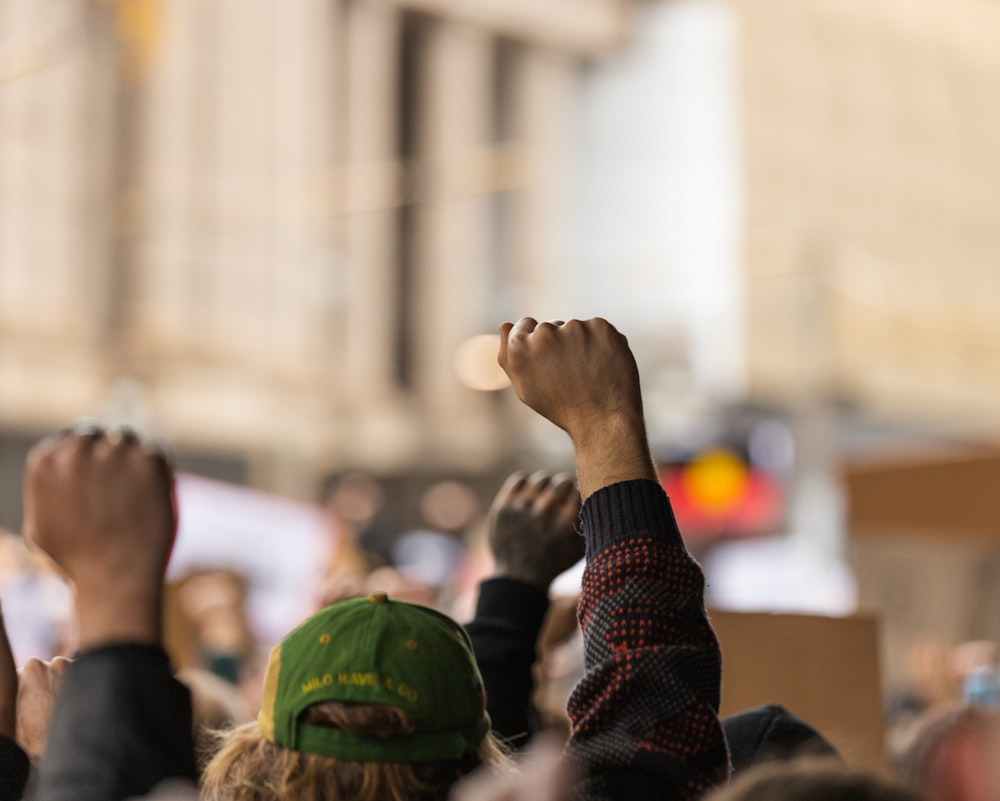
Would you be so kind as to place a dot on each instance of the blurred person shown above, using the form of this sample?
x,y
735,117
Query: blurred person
x,y
770,733
645,715
954,755
367,520
339,585
370,699
399,585
812,780
215,604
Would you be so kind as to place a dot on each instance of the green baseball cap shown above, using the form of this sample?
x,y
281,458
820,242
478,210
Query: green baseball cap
x,y
376,650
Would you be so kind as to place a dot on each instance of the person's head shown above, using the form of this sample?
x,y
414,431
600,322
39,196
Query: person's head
x,y
371,699
812,780
954,755
772,733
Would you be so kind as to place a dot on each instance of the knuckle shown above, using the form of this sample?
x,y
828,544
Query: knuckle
x,y
60,664
33,669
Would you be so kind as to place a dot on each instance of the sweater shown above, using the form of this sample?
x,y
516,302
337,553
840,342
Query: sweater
x,y
644,717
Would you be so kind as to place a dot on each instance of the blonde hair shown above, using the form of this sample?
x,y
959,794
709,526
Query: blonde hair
x,y
248,767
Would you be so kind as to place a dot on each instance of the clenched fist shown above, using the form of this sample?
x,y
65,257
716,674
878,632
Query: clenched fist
x,y
581,375
101,506
577,374
533,525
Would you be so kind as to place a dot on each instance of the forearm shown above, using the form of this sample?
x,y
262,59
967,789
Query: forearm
x,y
122,725
612,450
111,614
645,715
504,634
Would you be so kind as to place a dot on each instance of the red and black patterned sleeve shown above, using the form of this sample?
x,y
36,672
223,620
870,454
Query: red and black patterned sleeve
x,y
645,715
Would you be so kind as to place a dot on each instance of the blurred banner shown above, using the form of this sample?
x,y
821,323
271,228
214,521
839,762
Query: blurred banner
x,y
279,546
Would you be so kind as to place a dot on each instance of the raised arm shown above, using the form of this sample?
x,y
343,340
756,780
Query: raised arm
x,y
101,507
533,539
645,715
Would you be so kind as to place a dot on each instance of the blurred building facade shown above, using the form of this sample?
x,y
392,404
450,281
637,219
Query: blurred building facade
x,y
873,167
262,229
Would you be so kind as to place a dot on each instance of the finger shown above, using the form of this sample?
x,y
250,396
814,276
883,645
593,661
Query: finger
x,y
511,487
122,435
58,668
505,329
46,446
556,491
561,486
32,671
536,485
523,327
87,427
157,451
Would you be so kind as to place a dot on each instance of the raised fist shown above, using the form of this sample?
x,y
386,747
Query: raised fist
x,y
578,374
533,525
101,506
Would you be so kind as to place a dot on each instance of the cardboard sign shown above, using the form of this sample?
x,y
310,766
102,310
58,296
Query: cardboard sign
x,y
823,669
937,497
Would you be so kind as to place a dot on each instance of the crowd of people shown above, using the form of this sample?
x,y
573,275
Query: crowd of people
x,y
375,698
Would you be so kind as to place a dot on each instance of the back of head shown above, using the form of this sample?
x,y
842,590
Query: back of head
x,y
812,780
954,754
368,700
249,767
772,733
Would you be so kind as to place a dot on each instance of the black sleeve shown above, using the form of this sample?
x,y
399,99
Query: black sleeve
x,y
14,766
504,634
122,725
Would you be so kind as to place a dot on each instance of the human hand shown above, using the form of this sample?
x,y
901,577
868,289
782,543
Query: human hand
x,y
37,691
101,507
577,374
533,524
582,376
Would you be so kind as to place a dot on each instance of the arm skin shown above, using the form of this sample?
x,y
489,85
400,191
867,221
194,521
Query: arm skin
x,y
645,715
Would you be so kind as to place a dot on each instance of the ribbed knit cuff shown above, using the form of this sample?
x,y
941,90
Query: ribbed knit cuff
x,y
515,602
623,511
153,655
